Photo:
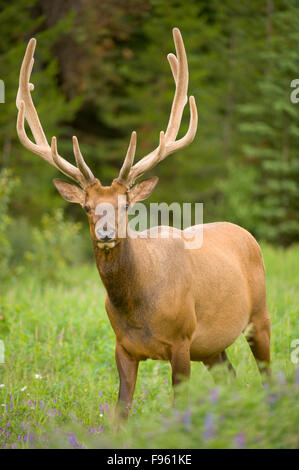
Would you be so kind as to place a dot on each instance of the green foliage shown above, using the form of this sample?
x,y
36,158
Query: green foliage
x,y
54,246
101,71
18,21
7,184
261,184
214,416
20,240
269,126
60,372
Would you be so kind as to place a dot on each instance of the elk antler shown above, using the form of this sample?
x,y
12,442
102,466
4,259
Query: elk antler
x,y
81,174
168,143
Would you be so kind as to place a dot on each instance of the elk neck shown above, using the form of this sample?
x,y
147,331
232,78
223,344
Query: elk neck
x,y
118,270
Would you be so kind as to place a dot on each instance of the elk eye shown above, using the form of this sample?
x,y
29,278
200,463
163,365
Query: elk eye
x,y
87,208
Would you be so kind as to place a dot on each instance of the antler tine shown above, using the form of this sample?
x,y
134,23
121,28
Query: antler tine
x,y
127,165
190,134
21,130
148,162
173,62
168,144
25,105
180,73
24,95
62,164
85,170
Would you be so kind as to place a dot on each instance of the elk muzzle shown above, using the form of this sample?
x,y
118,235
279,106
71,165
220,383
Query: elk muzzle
x,y
105,235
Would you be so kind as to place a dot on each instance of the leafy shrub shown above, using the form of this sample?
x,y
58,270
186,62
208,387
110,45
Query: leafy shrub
x,y
7,184
54,246
20,240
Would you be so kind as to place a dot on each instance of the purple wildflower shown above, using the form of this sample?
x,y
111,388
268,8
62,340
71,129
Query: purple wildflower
x,y
186,418
297,376
273,398
281,380
214,395
209,426
73,441
240,440
31,437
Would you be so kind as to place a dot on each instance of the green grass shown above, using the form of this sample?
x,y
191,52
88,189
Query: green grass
x,y
60,380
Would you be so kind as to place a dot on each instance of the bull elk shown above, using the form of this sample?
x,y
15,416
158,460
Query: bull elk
x,y
164,301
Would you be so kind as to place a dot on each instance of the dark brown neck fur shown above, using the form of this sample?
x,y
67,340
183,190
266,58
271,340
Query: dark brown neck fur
x,y
118,273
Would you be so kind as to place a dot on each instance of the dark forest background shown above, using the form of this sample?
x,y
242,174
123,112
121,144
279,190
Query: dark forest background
x,y
101,71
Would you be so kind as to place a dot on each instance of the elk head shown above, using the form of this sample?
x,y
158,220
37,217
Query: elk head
x,y
90,193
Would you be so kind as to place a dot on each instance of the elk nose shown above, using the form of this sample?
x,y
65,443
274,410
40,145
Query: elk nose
x,y
105,235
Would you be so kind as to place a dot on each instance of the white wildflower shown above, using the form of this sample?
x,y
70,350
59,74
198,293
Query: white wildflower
x,y
24,388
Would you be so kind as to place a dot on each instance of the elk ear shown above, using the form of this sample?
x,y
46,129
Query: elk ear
x,y
142,190
70,192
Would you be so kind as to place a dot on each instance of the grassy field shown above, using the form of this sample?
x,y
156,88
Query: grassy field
x,y
59,382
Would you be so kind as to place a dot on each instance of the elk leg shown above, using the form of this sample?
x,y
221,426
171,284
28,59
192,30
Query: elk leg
x,y
127,369
180,363
259,341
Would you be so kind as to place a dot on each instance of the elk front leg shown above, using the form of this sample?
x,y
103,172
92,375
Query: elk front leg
x,y
127,369
180,362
